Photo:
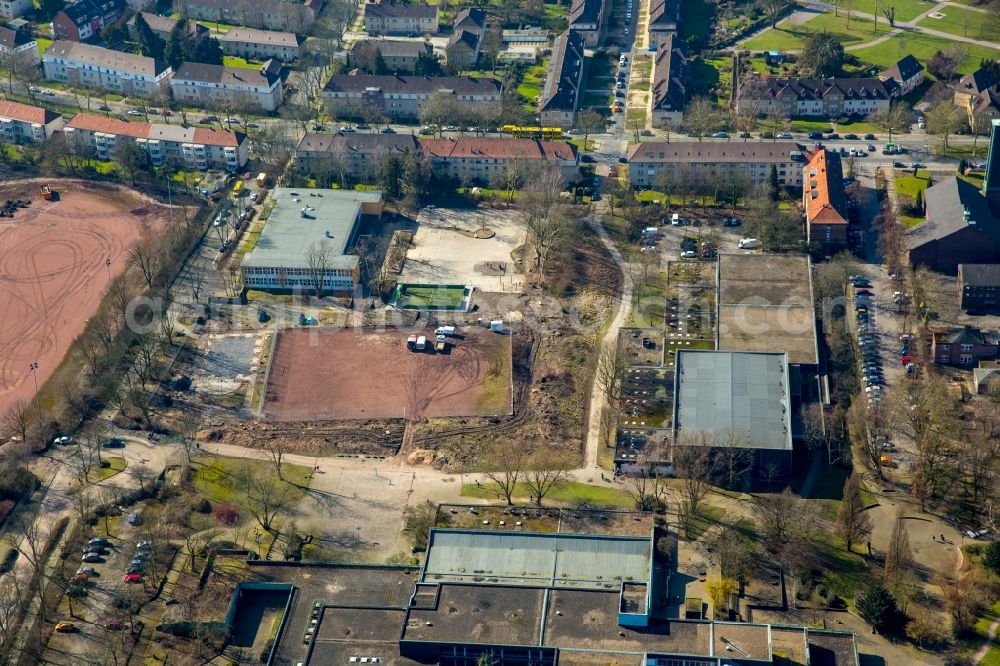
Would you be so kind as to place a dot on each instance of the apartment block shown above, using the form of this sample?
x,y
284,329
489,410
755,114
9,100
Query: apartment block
x,y
216,85
265,14
86,18
563,91
21,123
402,97
20,43
95,67
254,44
589,18
821,98
384,18
670,69
12,9
747,163
191,147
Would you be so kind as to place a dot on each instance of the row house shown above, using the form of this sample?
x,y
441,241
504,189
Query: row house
x,y
86,18
650,163
385,18
589,19
20,44
254,44
21,123
463,46
467,159
964,347
401,98
398,56
162,26
822,98
670,69
824,200
905,75
664,16
218,85
264,14
979,94
563,91
196,148
76,64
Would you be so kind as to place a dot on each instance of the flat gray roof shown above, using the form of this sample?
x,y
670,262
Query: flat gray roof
x,y
536,558
740,394
329,217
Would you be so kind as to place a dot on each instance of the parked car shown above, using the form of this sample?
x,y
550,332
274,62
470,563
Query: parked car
x,y
132,578
114,625
114,443
720,135
815,136
65,627
869,137
851,137
785,135
92,558
63,440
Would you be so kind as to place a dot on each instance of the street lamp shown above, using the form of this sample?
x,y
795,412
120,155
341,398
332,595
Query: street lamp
x,y
890,134
107,262
358,528
34,366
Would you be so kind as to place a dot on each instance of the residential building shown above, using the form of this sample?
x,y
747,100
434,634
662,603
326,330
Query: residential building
x,y
95,67
467,159
196,148
726,401
906,74
964,347
664,16
218,85
12,9
483,161
589,19
402,97
254,44
21,123
824,200
670,69
736,163
265,14
463,46
385,18
85,19
20,43
162,26
959,228
563,91
986,378
979,95
298,222
979,287
826,98
353,156
399,57
527,37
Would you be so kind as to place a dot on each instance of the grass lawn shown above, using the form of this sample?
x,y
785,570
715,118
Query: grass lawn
x,y
923,48
695,19
905,9
233,61
429,297
633,116
215,477
961,22
43,44
569,493
909,184
532,82
216,27
115,464
789,36
649,306
705,75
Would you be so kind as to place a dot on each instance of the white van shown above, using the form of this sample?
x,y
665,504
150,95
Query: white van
x,y
444,330
675,220
748,243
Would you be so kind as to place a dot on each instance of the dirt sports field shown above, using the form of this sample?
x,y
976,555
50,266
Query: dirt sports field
x,y
53,273
324,374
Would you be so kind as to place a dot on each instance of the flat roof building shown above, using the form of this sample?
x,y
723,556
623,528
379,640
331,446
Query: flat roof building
x,y
304,223
765,304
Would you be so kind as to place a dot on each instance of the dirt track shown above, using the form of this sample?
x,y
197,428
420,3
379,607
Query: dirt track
x,y
53,273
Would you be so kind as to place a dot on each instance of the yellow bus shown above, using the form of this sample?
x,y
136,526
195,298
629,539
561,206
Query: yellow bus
x,y
527,132
237,188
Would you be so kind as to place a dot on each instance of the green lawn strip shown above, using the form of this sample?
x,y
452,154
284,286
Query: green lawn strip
x,y
923,48
216,27
115,464
708,516
982,627
532,81
961,22
569,493
215,478
909,184
649,305
992,657
432,296
233,61
43,44
905,9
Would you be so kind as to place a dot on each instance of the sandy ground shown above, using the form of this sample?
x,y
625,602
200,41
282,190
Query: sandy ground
x,y
53,272
440,255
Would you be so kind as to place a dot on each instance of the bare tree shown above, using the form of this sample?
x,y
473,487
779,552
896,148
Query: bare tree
x,y
267,496
853,522
543,216
693,463
610,372
546,469
145,255
318,257
276,449
899,556
648,491
17,420
507,462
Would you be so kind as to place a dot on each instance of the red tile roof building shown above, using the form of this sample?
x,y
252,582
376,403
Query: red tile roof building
x,y
21,123
193,147
824,200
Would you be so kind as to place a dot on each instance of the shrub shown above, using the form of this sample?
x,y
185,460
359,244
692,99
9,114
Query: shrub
x,y
992,557
226,514
204,506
